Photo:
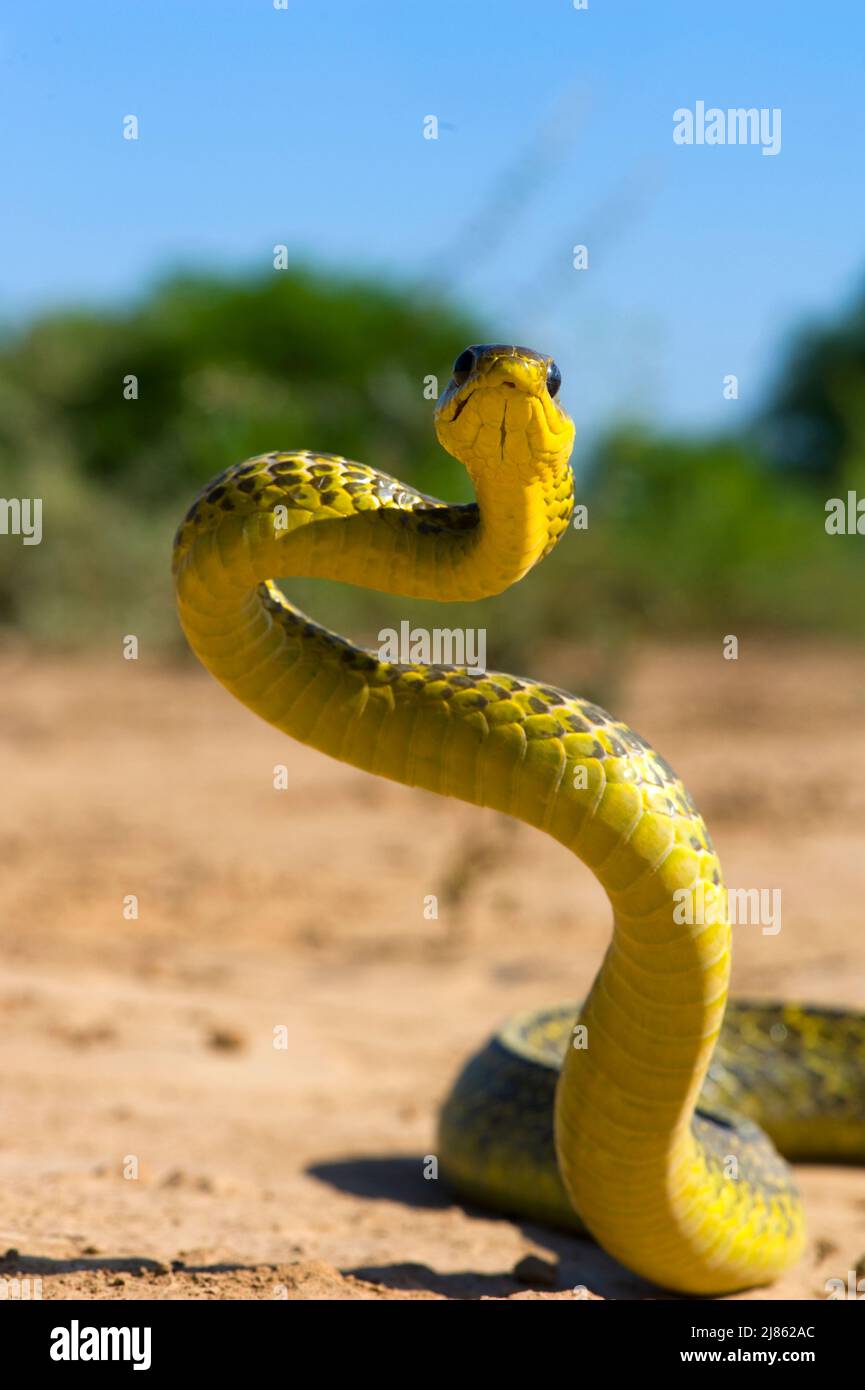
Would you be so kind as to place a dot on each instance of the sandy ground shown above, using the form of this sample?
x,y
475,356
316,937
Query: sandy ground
x,y
155,1142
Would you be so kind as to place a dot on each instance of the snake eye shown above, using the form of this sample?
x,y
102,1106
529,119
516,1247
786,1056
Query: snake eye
x,y
554,379
463,366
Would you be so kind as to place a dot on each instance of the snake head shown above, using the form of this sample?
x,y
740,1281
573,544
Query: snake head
x,y
500,407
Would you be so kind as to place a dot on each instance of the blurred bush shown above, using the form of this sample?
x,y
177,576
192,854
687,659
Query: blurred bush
x,y
706,537
684,535
224,370
814,422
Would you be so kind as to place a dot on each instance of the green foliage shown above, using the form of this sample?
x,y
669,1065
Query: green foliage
x,y
229,369
815,420
683,535
707,537
225,370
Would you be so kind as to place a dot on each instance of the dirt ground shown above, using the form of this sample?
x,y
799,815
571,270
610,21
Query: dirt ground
x,y
156,1144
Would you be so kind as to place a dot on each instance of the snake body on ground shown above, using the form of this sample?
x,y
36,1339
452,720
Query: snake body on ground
x,y
640,1124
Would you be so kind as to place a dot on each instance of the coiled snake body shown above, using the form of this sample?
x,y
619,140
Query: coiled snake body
x,y
630,1132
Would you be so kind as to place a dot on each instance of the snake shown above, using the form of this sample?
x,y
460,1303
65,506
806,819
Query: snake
x,y
651,1116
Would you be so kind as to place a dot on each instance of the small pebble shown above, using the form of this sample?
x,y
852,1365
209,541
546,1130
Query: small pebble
x,y
531,1269
225,1040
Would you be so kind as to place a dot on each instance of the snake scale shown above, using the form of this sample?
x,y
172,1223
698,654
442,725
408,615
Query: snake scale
x,y
646,1130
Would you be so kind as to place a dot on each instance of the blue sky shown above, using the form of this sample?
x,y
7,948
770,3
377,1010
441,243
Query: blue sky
x,y
304,126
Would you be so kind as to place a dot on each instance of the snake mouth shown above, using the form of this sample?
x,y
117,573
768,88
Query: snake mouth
x,y
462,405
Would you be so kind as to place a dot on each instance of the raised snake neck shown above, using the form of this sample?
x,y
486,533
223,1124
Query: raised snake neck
x,y
696,1206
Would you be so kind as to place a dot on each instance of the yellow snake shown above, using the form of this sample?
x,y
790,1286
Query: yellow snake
x,y
611,1132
